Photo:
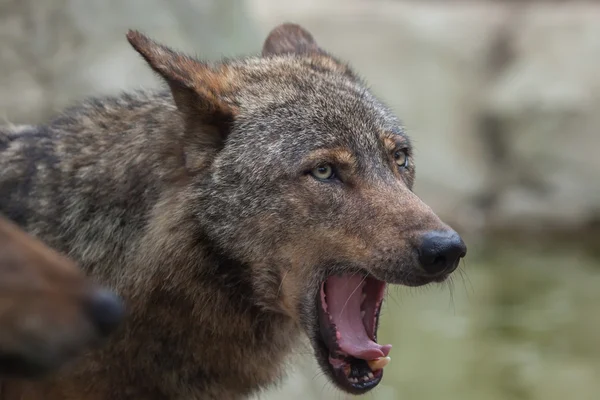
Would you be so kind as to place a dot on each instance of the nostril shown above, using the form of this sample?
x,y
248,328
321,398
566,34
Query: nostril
x,y
106,311
441,251
439,260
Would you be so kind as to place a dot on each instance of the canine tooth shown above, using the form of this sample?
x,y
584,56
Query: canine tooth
x,y
371,376
353,380
347,369
379,363
362,314
365,378
364,296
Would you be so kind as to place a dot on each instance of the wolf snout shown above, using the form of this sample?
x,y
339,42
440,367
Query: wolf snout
x,y
105,310
441,251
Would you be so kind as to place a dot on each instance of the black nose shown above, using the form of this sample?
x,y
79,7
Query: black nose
x,y
106,311
441,251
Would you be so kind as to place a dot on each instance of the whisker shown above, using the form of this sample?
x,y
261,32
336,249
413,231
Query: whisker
x,y
462,278
354,291
467,276
451,291
390,295
317,374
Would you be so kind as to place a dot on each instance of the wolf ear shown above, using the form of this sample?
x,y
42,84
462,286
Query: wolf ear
x,y
198,89
290,38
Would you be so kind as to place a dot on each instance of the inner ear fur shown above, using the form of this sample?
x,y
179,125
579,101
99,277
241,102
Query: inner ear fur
x,y
186,76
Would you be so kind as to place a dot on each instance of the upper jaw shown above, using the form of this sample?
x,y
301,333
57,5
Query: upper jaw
x,y
407,276
406,272
416,280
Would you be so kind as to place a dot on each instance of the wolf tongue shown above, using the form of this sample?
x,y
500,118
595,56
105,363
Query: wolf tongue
x,y
344,298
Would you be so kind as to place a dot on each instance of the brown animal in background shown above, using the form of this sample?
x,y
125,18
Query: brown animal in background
x,y
49,311
258,200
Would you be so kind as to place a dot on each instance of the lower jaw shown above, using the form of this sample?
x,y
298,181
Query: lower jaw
x,y
358,383
339,377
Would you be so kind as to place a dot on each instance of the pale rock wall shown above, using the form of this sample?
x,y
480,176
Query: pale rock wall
x,y
502,98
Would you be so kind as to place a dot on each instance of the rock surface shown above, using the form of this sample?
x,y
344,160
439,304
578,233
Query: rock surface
x,y
501,98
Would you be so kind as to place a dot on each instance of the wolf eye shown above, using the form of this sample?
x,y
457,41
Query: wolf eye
x,y
322,172
401,158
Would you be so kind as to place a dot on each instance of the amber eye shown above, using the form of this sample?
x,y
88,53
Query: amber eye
x,y
401,158
322,172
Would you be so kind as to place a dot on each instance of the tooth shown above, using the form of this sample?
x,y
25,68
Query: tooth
x,y
347,369
379,363
365,378
362,314
371,376
364,296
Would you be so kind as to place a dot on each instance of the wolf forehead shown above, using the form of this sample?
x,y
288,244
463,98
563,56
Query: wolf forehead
x,y
308,108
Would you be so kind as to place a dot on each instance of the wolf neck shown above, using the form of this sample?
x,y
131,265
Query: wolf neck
x,y
199,304
202,309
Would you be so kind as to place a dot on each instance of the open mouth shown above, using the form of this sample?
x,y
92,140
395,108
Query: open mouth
x,y
349,307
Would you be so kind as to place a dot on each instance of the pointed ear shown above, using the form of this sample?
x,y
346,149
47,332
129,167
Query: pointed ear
x,y
203,94
198,89
290,38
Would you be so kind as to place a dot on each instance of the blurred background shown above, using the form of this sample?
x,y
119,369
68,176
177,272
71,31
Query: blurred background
x,y
502,100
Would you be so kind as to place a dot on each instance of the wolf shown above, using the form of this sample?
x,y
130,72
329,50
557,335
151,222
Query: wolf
x,y
49,310
250,203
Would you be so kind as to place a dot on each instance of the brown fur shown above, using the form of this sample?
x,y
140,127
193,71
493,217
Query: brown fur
x,y
198,205
44,299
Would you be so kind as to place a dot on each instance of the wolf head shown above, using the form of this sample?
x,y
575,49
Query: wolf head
x,y
300,173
